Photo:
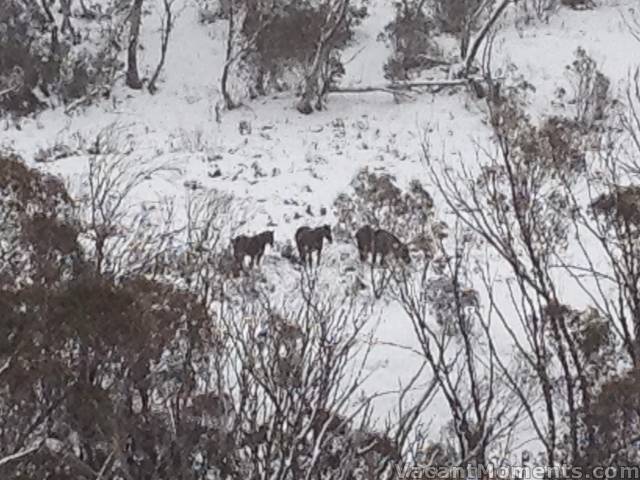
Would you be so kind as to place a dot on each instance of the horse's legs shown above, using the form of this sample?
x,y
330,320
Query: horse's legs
x,y
239,260
301,253
319,255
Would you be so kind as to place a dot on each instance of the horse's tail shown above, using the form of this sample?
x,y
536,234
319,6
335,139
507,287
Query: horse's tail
x,y
300,245
236,244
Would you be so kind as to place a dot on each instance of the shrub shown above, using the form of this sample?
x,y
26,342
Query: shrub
x,y
38,239
537,9
50,64
410,35
378,200
452,16
288,41
621,206
591,90
93,363
578,4
211,11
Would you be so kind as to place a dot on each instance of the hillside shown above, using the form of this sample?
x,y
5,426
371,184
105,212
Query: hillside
x,y
288,170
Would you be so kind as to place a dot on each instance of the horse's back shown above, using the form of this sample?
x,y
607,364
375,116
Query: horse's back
x,y
385,240
364,235
238,241
301,233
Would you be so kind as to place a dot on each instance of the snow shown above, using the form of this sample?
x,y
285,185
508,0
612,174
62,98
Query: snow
x,y
311,159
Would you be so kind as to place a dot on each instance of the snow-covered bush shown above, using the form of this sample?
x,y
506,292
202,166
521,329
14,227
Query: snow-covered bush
x,y
452,16
537,9
210,11
91,362
578,4
287,43
275,46
53,64
37,241
592,97
410,35
377,200
620,207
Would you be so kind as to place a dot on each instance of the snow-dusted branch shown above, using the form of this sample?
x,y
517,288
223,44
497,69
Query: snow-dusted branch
x,y
17,456
168,21
482,34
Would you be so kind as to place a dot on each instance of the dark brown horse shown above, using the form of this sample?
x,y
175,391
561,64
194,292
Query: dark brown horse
x,y
309,240
252,246
364,240
384,243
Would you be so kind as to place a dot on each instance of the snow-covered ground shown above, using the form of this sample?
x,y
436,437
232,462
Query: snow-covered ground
x,y
289,161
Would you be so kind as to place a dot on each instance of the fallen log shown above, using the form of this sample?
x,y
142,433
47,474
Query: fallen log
x,y
396,88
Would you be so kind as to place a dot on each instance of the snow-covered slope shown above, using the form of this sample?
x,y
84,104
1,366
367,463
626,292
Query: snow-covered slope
x,y
291,162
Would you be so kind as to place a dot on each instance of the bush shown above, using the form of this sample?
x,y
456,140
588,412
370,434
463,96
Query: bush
x,y
287,43
591,91
621,206
50,64
452,16
211,11
537,9
578,4
410,35
92,363
38,238
377,200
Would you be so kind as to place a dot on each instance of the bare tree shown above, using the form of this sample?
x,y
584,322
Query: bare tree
x,y
469,53
237,73
336,11
519,204
165,32
135,20
446,316
67,26
632,21
112,177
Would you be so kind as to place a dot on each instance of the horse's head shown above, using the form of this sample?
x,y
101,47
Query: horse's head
x,y
326,233
404,253
269,237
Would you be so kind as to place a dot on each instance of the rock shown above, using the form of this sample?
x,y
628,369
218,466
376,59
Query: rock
x,y
193,184
244,127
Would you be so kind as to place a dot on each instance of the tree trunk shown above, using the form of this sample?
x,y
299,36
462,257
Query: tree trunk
x,y
164,43
235,73
311,89
135,18
475,46
66,20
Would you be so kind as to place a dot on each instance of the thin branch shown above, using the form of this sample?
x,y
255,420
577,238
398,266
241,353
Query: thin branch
x,y
18,456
